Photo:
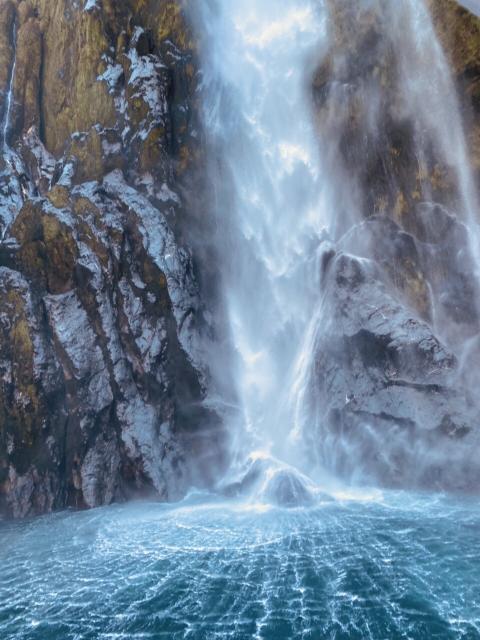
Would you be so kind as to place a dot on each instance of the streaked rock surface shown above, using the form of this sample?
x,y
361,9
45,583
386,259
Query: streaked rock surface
x,y
102,379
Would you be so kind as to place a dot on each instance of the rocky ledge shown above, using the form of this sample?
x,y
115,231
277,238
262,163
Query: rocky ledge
x,y
393,404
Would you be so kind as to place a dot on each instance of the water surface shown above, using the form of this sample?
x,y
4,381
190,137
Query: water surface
x,y
383,566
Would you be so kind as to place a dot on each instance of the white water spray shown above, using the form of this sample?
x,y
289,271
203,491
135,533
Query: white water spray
x,y
270,212
431,95
279,195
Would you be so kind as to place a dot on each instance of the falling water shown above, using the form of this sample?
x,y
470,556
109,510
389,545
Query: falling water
x,y
426,99
370,564
270,207
12,167
9,98
432,100
283,198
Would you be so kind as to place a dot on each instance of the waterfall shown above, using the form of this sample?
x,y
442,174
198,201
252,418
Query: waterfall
x,y
285,198
433,99
13,186
269,202
9,99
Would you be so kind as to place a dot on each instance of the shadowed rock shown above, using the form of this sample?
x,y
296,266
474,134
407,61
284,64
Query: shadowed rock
x,y
101,381
285,488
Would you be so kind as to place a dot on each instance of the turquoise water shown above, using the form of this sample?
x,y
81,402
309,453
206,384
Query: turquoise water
x,y
383,566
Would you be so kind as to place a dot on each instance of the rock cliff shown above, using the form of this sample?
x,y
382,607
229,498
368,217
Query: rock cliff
x,y
101,381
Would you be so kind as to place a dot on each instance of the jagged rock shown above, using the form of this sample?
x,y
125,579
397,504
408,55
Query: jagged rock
x,y
101,88
429,265
385,391
101,379
99,473
396,350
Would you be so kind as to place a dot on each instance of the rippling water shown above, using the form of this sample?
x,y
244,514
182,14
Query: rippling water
x,y
384,567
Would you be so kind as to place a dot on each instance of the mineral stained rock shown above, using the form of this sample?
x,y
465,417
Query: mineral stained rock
x,y
101,379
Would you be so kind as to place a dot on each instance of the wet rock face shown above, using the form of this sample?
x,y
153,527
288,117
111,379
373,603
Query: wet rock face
x,y
427,265
390,402
101,375
100,399
94,87
364,91
459,33
393,384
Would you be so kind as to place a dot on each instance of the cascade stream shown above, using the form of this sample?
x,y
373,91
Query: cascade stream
x,y
337,347
11,165
9,98
285,199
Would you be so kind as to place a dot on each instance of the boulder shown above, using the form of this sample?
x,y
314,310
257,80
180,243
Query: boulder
x,y
389,404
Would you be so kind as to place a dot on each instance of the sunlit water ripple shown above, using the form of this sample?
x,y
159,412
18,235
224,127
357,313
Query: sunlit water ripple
x,y
391,566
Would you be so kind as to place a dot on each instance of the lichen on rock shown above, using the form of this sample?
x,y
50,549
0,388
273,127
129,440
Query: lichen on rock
x,y
101,382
